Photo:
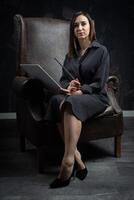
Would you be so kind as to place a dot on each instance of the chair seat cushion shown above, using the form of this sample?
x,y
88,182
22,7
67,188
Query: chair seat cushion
x,y
108,111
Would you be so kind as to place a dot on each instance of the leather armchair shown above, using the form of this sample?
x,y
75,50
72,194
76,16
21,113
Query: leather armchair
x,y
39,40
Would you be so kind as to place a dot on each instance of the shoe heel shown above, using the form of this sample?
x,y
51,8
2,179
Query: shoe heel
x,y
57,183
81,174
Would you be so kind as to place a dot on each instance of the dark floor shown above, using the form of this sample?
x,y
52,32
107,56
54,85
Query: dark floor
x,y
109,178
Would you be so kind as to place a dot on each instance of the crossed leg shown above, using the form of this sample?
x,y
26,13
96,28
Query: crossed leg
x,y
77,154
72,129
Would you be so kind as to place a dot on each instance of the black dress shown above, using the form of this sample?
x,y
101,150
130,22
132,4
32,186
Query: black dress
x,y
92,70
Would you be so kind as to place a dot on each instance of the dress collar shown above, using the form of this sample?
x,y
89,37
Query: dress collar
x,y
94,44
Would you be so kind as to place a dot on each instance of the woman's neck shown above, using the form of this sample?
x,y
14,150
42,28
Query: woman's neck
x,y
84,43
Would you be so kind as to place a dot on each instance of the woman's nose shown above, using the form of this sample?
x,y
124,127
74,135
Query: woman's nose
x,y
79,27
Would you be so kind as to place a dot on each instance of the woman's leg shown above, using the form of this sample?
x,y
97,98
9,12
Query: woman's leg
x,y
72,130
77,155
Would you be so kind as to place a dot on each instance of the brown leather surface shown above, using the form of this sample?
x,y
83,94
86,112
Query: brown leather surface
x,y
43,39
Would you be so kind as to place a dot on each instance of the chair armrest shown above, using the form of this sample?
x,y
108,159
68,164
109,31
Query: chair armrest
x,y
27,88
19,84
33,93
113,82
112,88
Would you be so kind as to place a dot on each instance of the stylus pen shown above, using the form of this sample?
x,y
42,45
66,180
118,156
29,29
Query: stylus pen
x,y
70,75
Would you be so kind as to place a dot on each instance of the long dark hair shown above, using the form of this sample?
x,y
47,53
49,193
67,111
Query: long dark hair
x,y
73,42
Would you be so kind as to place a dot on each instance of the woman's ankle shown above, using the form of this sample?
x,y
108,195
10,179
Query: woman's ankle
x,y
79,161
66,169
68,161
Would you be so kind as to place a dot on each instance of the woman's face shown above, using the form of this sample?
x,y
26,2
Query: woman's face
x,y
81,27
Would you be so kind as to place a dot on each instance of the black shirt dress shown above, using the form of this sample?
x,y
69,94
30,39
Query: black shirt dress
x,y
92,70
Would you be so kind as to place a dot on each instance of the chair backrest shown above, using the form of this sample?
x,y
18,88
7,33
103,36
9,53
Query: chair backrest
x,y
40,40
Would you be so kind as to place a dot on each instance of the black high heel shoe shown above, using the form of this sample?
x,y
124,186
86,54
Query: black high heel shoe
x,y
82,173
57,183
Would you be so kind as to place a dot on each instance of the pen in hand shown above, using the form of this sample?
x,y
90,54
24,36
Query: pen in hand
x,y
70,75
74,84
66,70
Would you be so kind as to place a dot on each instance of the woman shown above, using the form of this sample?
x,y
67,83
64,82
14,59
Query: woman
x,y
83,97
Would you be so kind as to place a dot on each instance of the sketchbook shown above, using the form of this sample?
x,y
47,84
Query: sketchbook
x,y
37,71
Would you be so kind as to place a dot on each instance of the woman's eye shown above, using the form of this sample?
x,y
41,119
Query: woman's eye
x,y
76,25
83,23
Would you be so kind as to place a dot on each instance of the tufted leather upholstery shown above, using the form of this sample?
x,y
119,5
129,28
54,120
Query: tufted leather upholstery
x,y
40,40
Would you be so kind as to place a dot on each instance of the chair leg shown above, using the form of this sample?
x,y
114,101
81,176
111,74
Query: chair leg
x,y
40,160
22,143
117,146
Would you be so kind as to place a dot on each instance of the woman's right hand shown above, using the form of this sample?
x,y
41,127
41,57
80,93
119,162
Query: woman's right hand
x,y
74,85
72,89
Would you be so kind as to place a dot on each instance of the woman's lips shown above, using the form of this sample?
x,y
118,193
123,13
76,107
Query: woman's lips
x,y
80,33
